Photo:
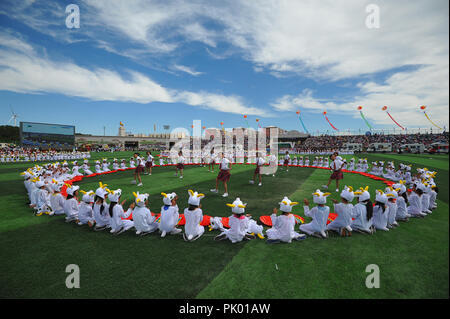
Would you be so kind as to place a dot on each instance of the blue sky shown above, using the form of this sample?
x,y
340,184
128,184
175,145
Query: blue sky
x,y
172,62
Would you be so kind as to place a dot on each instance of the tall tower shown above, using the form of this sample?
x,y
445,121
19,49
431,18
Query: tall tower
x,y
122,132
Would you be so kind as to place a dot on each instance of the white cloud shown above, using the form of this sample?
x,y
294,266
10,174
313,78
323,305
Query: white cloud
x,y
23,71
12,42
319,39
187,69
403,92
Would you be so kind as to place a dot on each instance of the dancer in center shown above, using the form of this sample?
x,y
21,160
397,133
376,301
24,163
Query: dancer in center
x,y
224,175
259,163
337,175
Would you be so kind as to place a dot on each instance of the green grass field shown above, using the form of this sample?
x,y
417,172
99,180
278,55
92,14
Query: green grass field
x,y
413,258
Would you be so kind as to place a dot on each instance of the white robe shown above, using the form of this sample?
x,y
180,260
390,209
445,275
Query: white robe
x,y
282,228
117,223
193,220
392,216
425,202
380,218
415,205
87,170
102,218
57,201
144,221
433,196
344,217
71,209
360,221
238,228
85,213
402,209
169,218
319,222
42,200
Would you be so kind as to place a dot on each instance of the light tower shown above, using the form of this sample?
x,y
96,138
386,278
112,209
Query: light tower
x,y
122,132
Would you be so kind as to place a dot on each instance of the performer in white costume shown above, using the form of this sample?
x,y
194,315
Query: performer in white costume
x,y
169,215
363,212
144,222
283,226
381,211
344,211
85,212
319,215
117,213
194,216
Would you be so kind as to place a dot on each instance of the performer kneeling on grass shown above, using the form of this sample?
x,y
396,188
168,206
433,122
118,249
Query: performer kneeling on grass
x,y
169,215
139,169
363,212
259,163
344,210
194,216
337,175
224,175
117,214
241,225
283,226
144,222
319,215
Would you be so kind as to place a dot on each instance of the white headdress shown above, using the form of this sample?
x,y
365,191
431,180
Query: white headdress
x,y
320,198
286,205
194,198
238,207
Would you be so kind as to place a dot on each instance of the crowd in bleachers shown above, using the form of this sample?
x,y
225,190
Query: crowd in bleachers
x,y
330,143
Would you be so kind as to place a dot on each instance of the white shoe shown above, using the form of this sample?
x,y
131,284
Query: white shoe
x,y
140,184
138,232
337,189
252,182
163,234
214,190
225,195
181,177
260,184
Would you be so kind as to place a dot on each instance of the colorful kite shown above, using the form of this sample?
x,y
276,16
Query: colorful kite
x,y
423,107
246,121
301,121
257,121
384,108
364,118
121,124
326,117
